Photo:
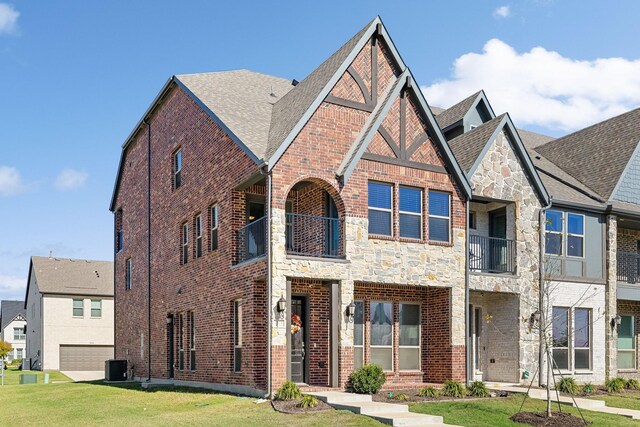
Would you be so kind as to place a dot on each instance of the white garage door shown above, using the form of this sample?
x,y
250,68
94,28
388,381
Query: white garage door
x,y
84,357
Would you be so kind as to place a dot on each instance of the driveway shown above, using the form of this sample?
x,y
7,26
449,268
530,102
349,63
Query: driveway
x,y
84,375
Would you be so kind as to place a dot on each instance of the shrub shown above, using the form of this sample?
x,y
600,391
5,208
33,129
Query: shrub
x,y
308,401
289,391
400,396
587,388
615,385
568,385
632,384
478,389
428,392
367,380
453,388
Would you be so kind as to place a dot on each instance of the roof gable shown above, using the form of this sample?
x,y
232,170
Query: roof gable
x,y
10,311
456,114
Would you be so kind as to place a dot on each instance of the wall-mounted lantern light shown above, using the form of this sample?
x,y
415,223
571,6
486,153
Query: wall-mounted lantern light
x,y
615,321
282,307
351,311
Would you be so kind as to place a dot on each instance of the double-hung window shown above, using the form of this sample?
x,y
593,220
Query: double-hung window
x,y
560,350
380,208
18,334
439,216
582,339
409,348
410,212
198,236
553,236
237,335
381,317
96,308
564,234
358,335
575,235
626,343
128,269
78,308
177,169
192,340
571,338
213,238
185,243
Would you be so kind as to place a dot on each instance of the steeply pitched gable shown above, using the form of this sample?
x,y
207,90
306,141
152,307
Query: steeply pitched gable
x,y
456,114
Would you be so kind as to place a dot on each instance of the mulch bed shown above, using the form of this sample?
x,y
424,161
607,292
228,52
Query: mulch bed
x,y
291,407
540,419
413,397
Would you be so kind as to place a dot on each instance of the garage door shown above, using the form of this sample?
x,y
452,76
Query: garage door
x,y
84,357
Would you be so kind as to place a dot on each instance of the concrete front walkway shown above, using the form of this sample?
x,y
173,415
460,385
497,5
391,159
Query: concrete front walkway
x,y
84,375
582,403
388,413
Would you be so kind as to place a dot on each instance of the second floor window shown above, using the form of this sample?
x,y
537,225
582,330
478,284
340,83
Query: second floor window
x,y
410,212
184,245
177,169
128,269
118,230
18,334
439,216
380,208
78,308
198,236
213,238
96,308
564,234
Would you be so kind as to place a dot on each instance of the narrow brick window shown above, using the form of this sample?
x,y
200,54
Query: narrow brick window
x,y
198,226
177,169
192,340
358,335
213,220
439,216
180,339
118,230
184,257
128,269
380,208
237,335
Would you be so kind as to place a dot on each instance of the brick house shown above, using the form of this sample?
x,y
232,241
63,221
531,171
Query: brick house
x,y
268,230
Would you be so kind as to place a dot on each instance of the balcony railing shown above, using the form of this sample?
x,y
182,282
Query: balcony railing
x,y
315,236
252,240
628,267
492,254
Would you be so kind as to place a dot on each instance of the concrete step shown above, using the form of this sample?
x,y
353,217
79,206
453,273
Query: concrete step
x,y
332,397
370,408
407,419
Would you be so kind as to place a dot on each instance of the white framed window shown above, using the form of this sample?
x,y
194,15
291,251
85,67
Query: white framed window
x,y
439,216
560,349
380,203
358,335
627,359
553,233
198,226
582,339
96,308
571,338
409,345
575,235
237,335
213,220
128,269
19,354
192,340
185,244
177,169
78,308
18,334
410,211
381,334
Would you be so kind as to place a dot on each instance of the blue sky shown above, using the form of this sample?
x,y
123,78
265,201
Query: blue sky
x,y
77,76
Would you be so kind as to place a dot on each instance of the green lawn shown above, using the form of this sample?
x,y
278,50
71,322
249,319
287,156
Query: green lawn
x,y
89,404
496,412
628,400
11,376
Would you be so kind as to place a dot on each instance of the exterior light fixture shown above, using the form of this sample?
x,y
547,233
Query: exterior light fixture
x,y
615,321
351,311
281,307
535,317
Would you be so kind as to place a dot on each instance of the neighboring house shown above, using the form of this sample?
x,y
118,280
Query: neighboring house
x,y
69,304
13,321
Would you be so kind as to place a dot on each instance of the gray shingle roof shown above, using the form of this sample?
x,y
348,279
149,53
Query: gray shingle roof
x,y
597,155
73,276
436,110
9,310
532,139
456,112
242,99
468,146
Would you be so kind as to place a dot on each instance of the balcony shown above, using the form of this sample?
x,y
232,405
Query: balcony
x,y
252,240
315,236
492,255
628,267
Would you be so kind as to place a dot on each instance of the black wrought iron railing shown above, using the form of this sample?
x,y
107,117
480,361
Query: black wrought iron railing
x,y
492,254
315,236
252,240
628,267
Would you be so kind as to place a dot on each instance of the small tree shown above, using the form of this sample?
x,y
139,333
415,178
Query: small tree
x,y
5,349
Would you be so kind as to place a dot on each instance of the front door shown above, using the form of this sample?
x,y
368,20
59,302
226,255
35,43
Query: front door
x,y
170,344
298,339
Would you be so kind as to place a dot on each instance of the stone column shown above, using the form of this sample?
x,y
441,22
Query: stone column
x,y
611,341
345,364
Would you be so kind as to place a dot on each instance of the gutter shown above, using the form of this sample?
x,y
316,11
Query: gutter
x,y
541,352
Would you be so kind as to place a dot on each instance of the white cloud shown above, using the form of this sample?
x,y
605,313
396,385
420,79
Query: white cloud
x,y
12,287
10,181
541,87
502,12
8,19
69,179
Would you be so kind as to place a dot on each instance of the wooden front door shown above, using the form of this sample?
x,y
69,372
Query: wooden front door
x,y
298,332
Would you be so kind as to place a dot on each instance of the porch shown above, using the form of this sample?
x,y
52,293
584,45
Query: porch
x,y
492,245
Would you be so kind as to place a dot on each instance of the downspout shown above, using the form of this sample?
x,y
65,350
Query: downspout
x,y
541,278
148,249
467,316
263,171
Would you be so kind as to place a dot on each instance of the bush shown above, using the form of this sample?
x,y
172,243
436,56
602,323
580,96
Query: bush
x,y
615,385
478,389
568,385
367,380
308,401
632,384
289,391
587,388
453,388
400,396
428,392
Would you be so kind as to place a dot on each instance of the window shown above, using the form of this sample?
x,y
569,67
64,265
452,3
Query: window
x,y
127,273
237,335
553,237
381,316
380,212
192,340
439,216
358,335
582,338
177,169
410,212
96,308
575,235
213,239
78,308
409,349
118,230
626,343
18,334
198,236
19,353
185,244
472,220
560,350
180,337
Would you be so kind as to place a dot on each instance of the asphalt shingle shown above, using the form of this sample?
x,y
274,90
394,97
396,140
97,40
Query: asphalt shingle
x,y
73,276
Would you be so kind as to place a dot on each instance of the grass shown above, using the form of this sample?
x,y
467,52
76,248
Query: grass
x,y
11,376
496,412
93,404
628,400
